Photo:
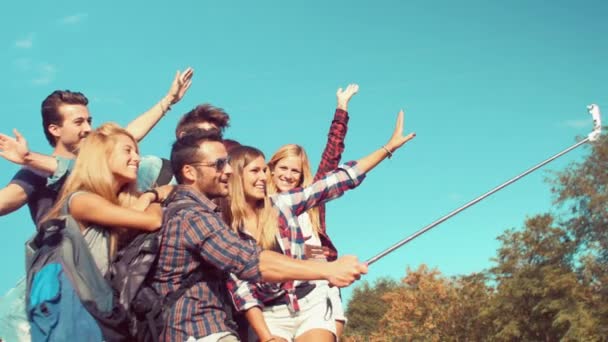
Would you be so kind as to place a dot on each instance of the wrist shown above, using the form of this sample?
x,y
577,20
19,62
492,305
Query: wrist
x,y
153,194
165,104
326,270
26,158
388,150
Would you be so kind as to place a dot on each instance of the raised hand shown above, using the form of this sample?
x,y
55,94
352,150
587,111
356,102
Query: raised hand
x,y
344,96
14,149
398,139
180,85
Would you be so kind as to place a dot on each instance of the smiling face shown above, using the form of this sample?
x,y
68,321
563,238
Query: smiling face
x,y
254,180
210,180
75,127
287,173
124,159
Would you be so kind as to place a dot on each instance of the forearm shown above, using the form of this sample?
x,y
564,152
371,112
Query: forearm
x,y
278,268
255,317
332,153
370,161
40,162
146,121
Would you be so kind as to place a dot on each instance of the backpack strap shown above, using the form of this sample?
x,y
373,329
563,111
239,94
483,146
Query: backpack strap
x,y
65,209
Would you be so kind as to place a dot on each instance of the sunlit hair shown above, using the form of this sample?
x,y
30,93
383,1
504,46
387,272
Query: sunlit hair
x,y
204,113
91,173
267,216
293,150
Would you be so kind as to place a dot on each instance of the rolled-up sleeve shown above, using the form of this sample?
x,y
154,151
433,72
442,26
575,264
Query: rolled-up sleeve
x,y
331,186
243,294
210,237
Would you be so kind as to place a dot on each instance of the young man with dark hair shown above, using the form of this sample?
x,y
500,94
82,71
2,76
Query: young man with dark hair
x,y
66,122
196,239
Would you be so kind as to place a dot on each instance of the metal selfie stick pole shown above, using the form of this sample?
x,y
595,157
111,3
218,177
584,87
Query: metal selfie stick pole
x,y
594,110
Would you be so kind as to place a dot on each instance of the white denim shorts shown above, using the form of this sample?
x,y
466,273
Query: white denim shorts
x,y
336,304
316,312
217,337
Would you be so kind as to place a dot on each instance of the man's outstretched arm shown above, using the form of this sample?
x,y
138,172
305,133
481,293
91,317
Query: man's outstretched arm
x,y
12,197
16,151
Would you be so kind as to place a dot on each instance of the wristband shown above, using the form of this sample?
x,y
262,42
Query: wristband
x,y
390,154
153,191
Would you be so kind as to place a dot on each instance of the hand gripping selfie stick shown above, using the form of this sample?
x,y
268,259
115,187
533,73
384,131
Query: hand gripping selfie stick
x,y
594,110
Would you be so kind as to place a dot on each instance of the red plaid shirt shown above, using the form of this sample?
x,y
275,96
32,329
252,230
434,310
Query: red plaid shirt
x,y
330,159
290,205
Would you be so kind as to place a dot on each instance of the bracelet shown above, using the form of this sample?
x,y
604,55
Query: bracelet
x,y
390,154
153,191
163,109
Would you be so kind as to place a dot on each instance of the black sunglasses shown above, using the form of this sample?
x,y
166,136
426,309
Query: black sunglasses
x,y
219,163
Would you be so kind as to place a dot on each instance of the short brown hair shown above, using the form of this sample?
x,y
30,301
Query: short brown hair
x,y
201,114
50,109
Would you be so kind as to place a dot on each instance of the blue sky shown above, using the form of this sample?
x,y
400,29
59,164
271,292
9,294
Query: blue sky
x,y
490,87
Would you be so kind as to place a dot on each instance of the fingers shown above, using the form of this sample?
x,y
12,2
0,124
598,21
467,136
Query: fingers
x,y
399,124
18,135
187,75
409,137
352,89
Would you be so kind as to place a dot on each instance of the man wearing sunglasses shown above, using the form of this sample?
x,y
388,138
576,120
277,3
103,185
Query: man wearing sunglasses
x,y
196,239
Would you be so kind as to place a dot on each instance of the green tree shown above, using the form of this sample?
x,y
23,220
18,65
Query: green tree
x,y
581,191
538,296
367,307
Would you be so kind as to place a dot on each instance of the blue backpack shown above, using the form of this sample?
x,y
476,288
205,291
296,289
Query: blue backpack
x,y
67,297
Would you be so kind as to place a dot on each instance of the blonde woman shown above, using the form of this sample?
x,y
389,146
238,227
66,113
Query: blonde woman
x,y
297,310
100,192
289,168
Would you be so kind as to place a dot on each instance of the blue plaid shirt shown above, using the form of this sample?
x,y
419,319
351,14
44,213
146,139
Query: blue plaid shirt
x,y
196,239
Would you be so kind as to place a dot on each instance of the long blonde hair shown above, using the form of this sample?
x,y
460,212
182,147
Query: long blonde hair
x,y
91,173
267,216
293,150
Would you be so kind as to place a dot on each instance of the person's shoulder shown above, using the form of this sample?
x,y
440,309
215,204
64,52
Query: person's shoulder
x,y
27,176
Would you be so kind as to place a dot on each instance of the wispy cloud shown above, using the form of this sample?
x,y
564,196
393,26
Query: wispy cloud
x,y
73,19
26,42
46,74
577,123
23,64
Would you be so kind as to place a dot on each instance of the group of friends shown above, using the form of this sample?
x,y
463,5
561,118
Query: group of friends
x,y
257,226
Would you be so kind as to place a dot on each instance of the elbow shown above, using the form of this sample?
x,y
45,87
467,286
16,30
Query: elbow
x,y
6,208
154,223
157,223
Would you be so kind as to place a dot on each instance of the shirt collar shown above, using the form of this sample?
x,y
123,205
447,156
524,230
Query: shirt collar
x,y
184,192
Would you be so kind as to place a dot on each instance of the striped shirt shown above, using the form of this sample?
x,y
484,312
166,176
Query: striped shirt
x,y
196,239
247,294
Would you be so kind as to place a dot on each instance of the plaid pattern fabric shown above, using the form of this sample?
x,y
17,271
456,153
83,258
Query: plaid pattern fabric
x,y
330,159
290,205
196,239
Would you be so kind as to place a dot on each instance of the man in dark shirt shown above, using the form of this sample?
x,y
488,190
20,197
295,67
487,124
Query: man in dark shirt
x,y
196,239
67,121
